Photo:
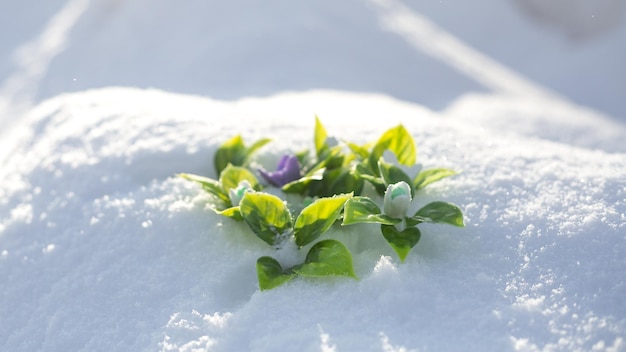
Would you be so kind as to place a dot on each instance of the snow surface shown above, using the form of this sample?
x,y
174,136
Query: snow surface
x,y
102,248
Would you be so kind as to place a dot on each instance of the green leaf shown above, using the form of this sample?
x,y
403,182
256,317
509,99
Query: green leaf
x,y
333,157
427,177
209,185
413,221
347,181
271,274
327,258
266,215
337,181
364,168
401,241
320,137
317,218
232,175
303,157
232,212
440,213
363,209
365,172
358,150
399,141
392,174
233,151
253,148
302,184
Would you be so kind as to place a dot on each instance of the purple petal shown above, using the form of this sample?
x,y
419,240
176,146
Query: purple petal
x,y
268,176
288,170
281,163
291,169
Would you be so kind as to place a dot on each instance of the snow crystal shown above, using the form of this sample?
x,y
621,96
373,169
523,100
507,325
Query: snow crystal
x,y
325,345
48,249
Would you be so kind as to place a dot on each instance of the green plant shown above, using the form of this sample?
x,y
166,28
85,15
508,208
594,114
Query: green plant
x,y
331,179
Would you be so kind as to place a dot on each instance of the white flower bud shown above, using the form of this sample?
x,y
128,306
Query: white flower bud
x,y
397,200
235,194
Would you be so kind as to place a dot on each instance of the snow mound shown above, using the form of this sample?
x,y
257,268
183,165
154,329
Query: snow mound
x,y
102,248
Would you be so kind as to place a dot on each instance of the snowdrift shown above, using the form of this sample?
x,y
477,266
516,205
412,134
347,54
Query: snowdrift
x,y
103,248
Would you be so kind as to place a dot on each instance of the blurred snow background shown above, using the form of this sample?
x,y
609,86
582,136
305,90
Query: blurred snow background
x,y
228,50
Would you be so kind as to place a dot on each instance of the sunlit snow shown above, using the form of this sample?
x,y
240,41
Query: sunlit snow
x,y
103,248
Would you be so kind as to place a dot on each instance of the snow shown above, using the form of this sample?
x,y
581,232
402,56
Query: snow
x,y
102,248
244,48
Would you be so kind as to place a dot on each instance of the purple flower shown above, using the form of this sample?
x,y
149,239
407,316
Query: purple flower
x,y
288,170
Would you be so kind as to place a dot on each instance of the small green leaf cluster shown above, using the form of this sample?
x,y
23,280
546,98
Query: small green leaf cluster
x,y
332,181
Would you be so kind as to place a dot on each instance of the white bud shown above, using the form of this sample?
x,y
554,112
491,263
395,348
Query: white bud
x,y
235,194
397,200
